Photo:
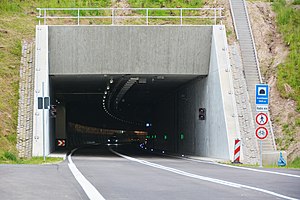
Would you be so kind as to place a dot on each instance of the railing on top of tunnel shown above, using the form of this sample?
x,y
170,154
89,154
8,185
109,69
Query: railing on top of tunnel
x,y
130,16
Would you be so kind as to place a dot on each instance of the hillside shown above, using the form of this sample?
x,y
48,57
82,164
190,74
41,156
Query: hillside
x,y
278,54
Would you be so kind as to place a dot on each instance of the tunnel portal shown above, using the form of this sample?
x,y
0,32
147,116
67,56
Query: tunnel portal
x,y
149,80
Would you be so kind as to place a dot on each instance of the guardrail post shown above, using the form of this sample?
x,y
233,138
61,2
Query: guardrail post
x,y
181,16
40,16
220,15
112,16
147,14
78,16
215,16
45,16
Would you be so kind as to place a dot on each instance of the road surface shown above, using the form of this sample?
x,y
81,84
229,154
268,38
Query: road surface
x,y
126,172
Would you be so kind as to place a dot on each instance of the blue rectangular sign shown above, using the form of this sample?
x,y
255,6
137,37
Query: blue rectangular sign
x,y
262,94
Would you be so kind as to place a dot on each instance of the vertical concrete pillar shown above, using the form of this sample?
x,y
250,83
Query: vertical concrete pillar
x,y
41,143
220,62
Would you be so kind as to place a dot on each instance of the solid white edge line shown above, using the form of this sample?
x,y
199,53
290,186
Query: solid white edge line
x,y
244,168
213,180
237,167
88,188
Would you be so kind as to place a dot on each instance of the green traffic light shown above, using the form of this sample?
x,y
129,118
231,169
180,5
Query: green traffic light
x,y
181,136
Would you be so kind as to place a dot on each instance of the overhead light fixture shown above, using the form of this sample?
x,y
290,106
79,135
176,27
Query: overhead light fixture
x,y
105,92
104,97
111,81
108,87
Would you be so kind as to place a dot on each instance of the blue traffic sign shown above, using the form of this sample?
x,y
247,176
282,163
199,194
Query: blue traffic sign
x,y
262,94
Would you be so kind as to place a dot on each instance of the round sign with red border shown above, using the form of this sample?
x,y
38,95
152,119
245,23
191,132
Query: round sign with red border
x,y
261,119
261,133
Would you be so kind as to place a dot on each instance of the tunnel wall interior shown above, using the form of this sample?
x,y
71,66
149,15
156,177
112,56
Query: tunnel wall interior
x,y
177,116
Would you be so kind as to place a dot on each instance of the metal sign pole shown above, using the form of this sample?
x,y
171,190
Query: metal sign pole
x,y
260,154
44,156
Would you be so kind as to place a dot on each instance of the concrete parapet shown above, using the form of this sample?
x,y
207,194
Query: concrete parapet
x,y
272,157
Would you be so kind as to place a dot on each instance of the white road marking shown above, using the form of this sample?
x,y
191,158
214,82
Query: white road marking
x,y
237,167
213,180
244,168
257,170
88,188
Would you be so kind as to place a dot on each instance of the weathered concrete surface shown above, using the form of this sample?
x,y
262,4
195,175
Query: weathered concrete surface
x,y
129,49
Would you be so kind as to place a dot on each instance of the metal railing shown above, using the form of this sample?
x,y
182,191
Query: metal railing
x,y
184,16
258,69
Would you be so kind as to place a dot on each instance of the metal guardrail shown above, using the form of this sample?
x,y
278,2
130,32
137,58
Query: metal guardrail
x,y
146,14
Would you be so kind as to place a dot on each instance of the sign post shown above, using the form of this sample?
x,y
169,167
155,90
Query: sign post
x,y
261,133
262,103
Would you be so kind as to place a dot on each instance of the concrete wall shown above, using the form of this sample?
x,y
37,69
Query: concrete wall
x,y
41,144
214,136
129,49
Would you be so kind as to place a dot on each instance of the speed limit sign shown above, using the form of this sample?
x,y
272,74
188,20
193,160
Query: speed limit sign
x,y
261,133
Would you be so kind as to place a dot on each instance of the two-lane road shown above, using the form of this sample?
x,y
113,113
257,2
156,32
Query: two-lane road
x,y
125,172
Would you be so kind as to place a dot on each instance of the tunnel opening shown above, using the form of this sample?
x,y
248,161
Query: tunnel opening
x,y
92,108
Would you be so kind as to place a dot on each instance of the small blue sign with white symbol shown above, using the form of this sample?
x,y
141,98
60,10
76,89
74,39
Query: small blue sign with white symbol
x,y
262,94
262,97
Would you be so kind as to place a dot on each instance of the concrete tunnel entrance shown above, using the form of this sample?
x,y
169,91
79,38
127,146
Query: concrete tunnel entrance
x,y
80,100
123,77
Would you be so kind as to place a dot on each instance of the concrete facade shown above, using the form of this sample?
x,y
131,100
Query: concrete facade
x,y
129,49
41,121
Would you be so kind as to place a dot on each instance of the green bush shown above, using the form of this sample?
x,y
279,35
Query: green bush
x,y
10,156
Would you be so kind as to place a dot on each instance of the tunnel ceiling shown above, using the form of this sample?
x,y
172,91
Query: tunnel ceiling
x,y
84,94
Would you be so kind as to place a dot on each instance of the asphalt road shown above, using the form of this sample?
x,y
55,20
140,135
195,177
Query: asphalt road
x,y
125,172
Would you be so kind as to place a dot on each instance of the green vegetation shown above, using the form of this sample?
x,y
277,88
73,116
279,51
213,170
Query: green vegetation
x,y
288,20
10,158
166,3
295,163
288,73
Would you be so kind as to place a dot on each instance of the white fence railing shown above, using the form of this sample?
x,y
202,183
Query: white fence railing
x,y
133,16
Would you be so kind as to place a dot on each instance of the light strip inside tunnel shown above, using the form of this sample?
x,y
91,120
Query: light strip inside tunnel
x,y
107,95
213,180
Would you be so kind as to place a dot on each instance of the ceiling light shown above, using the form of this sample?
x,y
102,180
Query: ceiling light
x,y
105,92
111,81
107,87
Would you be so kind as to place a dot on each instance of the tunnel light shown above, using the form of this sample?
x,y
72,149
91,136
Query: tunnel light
x,y
151,149
163,151
111,81
107,87
104,97
105,92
